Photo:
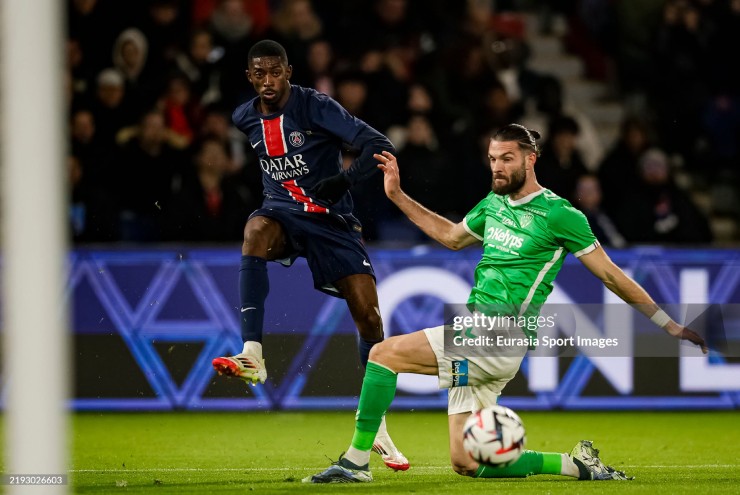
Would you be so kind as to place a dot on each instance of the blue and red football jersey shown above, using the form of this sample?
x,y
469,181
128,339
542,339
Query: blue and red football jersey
x,y
301,145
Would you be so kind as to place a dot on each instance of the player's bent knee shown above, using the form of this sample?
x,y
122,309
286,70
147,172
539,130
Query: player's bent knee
x,y
394,354
380,351
386,353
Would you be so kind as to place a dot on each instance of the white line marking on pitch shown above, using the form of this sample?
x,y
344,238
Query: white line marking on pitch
x,y
415,468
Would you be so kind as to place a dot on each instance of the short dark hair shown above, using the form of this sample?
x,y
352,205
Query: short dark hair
x,y
267,48
527,138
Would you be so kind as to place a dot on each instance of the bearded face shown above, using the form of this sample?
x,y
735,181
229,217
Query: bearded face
x,y
504,183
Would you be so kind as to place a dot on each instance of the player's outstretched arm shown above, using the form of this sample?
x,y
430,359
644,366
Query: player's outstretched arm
x,y
442,230
599,263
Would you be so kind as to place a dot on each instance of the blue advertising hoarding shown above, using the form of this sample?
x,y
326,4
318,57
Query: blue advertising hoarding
x,y
148,322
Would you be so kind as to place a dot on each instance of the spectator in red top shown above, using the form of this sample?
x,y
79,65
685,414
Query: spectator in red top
x,y
183,112
257,10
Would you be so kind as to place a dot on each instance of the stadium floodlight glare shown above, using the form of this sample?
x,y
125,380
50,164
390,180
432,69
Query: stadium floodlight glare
x,y
33,240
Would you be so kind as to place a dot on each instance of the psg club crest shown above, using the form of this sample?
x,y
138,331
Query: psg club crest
x,y
296,139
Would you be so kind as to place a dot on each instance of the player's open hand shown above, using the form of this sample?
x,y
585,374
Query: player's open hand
x,y
391,178
694,338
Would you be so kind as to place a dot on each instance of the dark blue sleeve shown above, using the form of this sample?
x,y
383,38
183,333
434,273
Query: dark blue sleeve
x,y
333,118
238,117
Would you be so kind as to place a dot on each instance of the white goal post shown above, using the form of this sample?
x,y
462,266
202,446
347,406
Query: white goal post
x,y
34,225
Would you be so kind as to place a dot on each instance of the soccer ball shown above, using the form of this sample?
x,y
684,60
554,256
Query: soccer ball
x,y
494,436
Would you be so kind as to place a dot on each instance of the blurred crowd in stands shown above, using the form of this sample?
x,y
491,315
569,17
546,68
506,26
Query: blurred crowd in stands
x,y
151,85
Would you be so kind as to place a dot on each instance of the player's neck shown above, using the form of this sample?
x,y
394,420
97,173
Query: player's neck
x,y
527,189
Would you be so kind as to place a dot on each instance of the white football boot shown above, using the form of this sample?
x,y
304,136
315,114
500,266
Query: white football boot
x,y
383,445
248,365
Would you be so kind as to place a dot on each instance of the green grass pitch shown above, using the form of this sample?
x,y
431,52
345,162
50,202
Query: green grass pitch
x,y
668,452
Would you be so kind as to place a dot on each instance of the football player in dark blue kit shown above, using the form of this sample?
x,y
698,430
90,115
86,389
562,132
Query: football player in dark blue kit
x,y
298,134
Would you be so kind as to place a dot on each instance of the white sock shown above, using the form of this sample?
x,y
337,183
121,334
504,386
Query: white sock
x,y
253,348
382,430
358,457
568,467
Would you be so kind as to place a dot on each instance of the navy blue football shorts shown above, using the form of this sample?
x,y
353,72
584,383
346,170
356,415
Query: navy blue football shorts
x,y
331,244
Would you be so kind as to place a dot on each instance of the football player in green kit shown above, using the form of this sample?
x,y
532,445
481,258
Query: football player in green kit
x,y
526,232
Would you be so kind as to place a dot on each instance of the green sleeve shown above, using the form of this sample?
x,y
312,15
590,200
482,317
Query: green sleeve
x,y
571,230
475,221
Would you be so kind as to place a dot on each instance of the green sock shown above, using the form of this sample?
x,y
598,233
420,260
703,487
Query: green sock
x,y
529,463
378,389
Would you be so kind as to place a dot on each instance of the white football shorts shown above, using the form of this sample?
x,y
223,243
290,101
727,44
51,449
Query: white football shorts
x,y
473,382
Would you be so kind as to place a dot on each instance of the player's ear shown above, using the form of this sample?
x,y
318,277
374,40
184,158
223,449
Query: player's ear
x,y
288,72
249,76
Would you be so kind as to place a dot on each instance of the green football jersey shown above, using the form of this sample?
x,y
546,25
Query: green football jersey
x,y
524,245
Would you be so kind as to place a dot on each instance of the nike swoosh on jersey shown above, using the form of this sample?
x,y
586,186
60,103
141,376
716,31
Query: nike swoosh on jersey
x,y
254,145
247,309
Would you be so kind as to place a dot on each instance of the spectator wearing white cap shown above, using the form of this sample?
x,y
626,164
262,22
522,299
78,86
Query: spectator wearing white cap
x,y
143,83
109,106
